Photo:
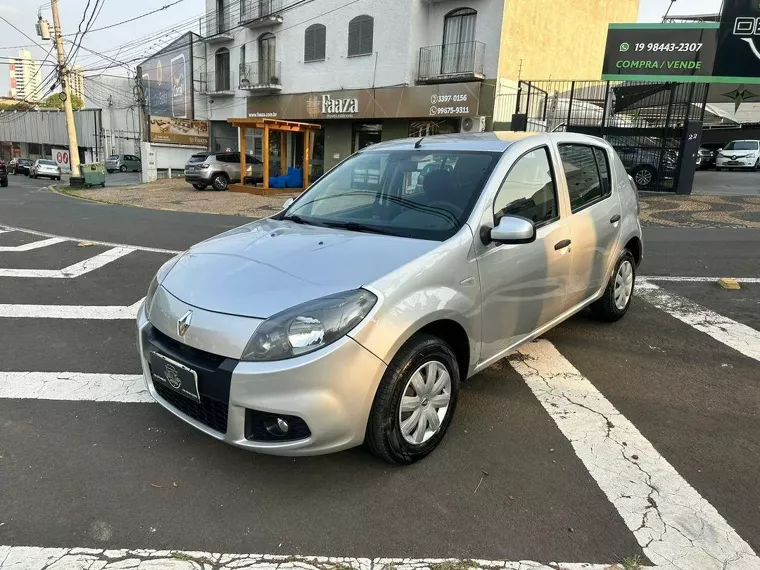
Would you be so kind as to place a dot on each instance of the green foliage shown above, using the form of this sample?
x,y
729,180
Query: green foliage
x,y
54,100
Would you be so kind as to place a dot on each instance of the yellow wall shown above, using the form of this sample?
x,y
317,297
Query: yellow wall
x,y
558,39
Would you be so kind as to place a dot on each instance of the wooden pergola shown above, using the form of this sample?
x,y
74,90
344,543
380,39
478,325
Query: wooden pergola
x,y
267,126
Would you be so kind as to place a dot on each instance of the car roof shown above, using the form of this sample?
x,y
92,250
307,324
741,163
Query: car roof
x,y
493,141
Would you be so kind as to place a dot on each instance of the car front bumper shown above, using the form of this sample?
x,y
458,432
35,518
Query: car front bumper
x,y
331,390
738,163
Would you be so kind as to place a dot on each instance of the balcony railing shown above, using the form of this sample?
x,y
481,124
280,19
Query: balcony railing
x,y
261,76
213,83
219,27
258,13
451,62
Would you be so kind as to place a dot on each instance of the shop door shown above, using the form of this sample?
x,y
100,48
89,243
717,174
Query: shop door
x,y
366,135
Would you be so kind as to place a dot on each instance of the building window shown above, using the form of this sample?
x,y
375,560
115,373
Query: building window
x,y
458,50
360,35
222,76
242,55
315,38
267,59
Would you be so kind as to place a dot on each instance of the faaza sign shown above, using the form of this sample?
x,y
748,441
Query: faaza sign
x,y
447,100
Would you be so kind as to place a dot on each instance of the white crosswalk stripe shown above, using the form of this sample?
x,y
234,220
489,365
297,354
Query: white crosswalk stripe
x,y
72,271
736,335
30,246
67,386
84,312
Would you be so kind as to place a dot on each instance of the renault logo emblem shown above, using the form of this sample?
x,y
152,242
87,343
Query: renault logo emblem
x,y
184,323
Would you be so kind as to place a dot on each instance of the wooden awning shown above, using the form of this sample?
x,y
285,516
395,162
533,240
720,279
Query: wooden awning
x,y
273,124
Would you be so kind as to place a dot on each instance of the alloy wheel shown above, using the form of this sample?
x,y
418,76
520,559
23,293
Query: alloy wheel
x,y
623,285
643,177
424,402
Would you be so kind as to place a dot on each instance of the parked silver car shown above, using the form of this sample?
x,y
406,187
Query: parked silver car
x,y
354,314
43,168
220,169
123,163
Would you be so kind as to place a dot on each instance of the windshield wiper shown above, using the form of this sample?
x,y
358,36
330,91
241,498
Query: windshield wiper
x,y
296,219
357,227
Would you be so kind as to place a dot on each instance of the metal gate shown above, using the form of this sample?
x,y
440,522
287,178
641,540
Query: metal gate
x,y
647,123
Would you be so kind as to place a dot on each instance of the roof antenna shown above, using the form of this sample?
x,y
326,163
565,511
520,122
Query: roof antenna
x,y
418,144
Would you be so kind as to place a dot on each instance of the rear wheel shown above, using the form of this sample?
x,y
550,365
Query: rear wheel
x,y
617,297
122,168
4,182
220,182
415,401
644,175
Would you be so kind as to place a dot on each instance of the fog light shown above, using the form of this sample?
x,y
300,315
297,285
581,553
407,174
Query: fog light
x,y
278,427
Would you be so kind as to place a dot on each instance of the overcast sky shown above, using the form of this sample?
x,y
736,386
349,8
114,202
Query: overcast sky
x,y
24,17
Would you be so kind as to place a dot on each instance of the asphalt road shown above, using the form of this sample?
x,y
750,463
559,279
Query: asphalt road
x,y
727,182
507,483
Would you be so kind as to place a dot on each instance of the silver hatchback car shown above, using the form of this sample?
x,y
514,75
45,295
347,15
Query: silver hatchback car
x,y
354,314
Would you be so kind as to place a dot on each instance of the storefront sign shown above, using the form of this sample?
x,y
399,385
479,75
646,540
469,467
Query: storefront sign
x,y
178,131
738,56
166,81
660,51
447,100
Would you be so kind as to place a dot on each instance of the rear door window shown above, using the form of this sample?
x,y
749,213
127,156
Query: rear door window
x,y
584,181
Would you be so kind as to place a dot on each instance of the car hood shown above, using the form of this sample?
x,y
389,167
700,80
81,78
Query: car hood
x,y
265,267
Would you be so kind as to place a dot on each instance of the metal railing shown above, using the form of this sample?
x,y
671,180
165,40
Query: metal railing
x,y
451,61
212,82
218,24
255,9
260,74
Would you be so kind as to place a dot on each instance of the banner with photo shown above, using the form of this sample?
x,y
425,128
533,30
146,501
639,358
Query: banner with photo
x,y
178,131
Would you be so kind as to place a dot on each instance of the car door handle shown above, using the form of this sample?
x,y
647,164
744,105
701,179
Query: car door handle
x,y
615,219
562,244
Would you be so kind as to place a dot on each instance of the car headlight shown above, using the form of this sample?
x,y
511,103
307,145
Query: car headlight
x,y
751,155
160,275
308,327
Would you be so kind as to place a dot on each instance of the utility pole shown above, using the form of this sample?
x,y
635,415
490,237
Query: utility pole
x,y
63,74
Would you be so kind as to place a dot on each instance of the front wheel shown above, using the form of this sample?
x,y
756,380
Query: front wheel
x,y
122,168
616,300
4,183
415,401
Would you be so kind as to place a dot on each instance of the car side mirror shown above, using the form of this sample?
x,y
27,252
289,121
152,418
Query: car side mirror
x,y
288,203
512,230
720,149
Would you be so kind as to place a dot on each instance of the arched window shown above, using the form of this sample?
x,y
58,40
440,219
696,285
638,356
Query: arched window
x,y
268,59
222,78
314,41
458,52
360,35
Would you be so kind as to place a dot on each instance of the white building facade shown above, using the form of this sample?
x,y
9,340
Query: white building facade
x,y
366,71
24,77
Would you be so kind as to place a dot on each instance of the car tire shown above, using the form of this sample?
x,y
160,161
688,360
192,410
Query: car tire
x,y
617,297
644,175
387,436
4,183
122,168
109,171
220,182
199,186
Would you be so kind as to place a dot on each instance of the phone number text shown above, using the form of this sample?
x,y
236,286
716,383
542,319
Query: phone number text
x,y
684,47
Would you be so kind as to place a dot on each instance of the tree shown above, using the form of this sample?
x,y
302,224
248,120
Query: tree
x,y
55,101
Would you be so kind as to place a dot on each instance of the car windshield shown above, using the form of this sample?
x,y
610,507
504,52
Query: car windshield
x,y
741,145
48,163
411,193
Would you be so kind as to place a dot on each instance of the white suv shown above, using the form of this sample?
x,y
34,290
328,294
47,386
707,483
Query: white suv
x,y
739,154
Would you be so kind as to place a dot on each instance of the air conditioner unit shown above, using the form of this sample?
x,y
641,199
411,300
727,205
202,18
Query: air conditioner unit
x,y
473,124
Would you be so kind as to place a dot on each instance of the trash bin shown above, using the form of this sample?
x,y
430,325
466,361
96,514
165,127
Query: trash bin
x,y
94,174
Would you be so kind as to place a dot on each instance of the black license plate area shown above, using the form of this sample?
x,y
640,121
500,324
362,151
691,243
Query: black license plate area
x,y
174,375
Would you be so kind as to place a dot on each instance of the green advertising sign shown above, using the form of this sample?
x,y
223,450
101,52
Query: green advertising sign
x,y
660,52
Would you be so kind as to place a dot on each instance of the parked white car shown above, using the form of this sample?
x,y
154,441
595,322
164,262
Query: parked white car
x,y
739,154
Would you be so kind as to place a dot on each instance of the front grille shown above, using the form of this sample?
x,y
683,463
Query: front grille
x,y
214,378
209,412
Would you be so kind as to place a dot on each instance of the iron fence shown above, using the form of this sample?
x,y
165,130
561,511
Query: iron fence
x,y
451,62
255,9
260,74
218,24
645,122
217,83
